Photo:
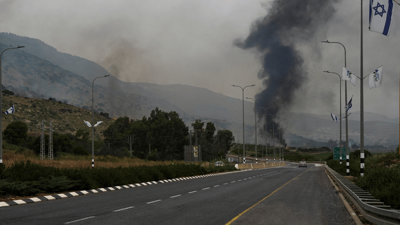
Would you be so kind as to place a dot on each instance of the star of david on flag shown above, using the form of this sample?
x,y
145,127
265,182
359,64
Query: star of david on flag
x,y
380,16
375,78
10,110
334,117
349,76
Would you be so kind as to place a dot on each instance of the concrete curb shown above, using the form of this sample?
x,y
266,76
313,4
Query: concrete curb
x,y
101,190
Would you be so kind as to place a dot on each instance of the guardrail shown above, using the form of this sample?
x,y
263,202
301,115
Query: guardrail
x,y
372,209
258,165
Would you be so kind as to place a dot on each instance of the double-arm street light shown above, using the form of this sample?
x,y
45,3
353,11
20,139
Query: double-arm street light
x,y
340,116
244,155
1,106
266,127
345,98
93,118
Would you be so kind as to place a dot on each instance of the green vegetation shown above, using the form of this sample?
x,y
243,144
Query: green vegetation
x,y
381,176
29,179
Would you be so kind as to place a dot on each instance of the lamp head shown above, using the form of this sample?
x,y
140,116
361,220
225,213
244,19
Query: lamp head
x,y
106,75
325,41
21,46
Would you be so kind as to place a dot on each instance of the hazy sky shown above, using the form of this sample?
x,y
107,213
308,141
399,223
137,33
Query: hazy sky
x,y
191,42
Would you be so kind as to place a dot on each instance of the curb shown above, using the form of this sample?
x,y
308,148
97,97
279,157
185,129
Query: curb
x,y
101,190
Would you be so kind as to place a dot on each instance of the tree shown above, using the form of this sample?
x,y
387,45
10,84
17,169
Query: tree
x,y
16,133
82,135
225,139
61,143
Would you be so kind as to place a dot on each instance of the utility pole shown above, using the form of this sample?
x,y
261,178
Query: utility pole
x,y
131,139
42,149
51,155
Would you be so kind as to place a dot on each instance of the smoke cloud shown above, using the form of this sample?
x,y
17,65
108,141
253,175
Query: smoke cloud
x,y
275,38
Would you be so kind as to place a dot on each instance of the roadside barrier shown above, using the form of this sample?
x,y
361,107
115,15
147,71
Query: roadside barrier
x,y
259,165
372,209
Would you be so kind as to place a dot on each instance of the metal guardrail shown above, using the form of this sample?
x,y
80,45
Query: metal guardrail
x,y
372,209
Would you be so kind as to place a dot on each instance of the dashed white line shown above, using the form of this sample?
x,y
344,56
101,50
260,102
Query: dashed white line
x,y
233,181
216,186
154,201
130,207
206,188
192,192
245,179
74,221
175,196
225,183
239,180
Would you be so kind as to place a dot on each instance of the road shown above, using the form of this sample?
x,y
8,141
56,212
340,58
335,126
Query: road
x,y
284,195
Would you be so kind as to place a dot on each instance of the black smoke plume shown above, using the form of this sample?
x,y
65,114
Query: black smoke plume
x,y
274,37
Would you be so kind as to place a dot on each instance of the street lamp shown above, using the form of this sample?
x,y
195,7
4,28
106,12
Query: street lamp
x,y
244,160
273,134
255,124
93,119
345,98
1,106
266,136
340,107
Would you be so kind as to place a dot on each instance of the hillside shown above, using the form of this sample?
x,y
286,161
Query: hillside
x,y
65,118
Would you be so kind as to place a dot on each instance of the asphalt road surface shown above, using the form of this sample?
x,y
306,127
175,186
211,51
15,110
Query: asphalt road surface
x,y
284,195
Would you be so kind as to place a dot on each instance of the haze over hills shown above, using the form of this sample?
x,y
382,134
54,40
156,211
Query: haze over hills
x,y
39,70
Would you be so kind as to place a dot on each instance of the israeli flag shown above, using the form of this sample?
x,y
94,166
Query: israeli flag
x,y
380,16
334,117
10,110
375,78
87,123
349,105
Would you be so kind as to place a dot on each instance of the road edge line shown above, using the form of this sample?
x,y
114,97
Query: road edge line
x,y
242,213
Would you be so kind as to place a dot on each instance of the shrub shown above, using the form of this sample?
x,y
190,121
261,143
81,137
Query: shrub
x,y
16,133
79,150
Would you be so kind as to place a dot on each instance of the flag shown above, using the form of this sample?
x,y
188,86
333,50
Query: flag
x,y
10,110
349,76
345,116
334,117
87,123
380,16
375,78
99,122
349,105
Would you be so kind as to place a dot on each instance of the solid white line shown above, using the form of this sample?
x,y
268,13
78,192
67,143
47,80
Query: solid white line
x,y
154,201
74,221
206,188
175,196
130,207
216,186
192,192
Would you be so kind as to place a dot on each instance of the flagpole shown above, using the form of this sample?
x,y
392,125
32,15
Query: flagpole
x,y
361,98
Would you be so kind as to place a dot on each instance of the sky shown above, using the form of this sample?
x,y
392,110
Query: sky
x,y
193,42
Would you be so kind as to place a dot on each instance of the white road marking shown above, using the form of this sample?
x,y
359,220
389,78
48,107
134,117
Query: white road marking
x,y
192,192
175,196
206,188
239,180
216,186
154,201
245,179
233,181
74,221
130,207
225,183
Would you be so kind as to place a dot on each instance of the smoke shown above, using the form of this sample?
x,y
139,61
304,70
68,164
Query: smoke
x,y
275,38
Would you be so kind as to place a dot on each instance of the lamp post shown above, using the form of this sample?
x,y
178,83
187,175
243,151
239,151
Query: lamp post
x,y
340,108
93,119
273,134
345,98
255,125
266,136
1,105
244,160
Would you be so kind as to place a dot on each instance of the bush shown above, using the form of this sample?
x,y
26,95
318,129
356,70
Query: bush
x,y
16,133
79,150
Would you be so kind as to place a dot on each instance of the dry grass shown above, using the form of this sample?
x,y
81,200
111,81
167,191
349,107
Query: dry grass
x,y
72,161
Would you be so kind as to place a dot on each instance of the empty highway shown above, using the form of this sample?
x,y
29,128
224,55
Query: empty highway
x,y
283,195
